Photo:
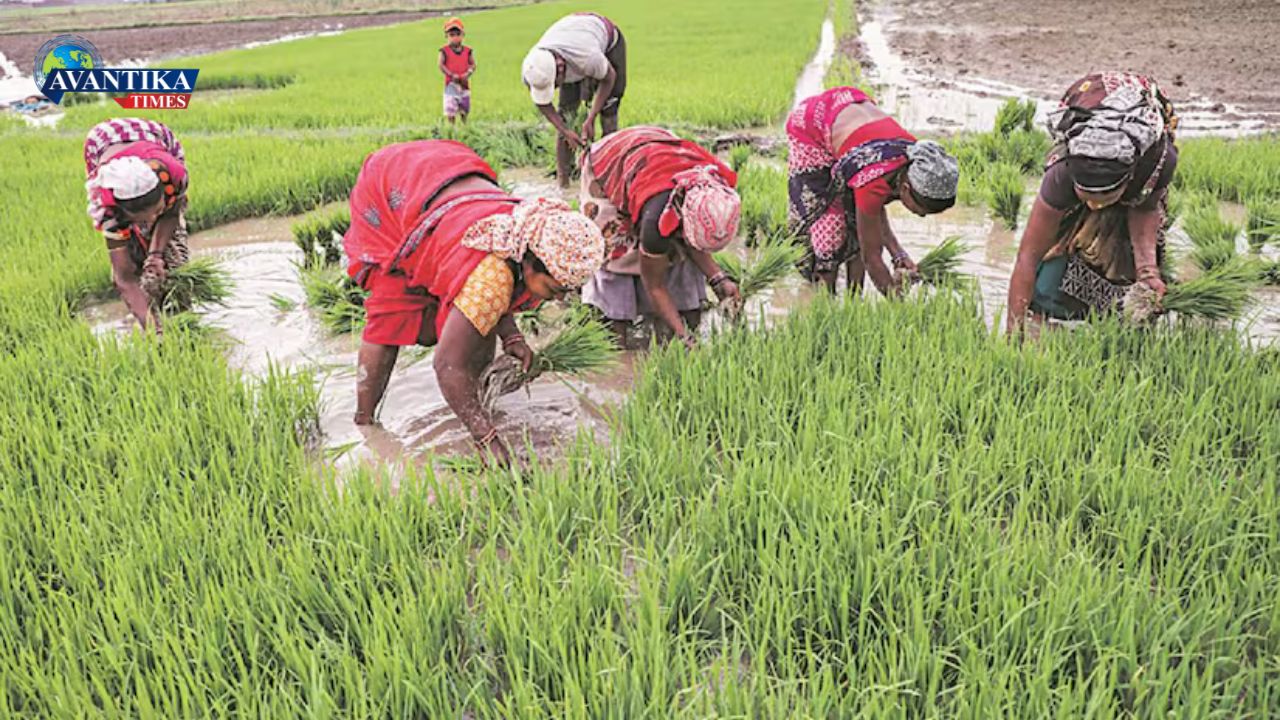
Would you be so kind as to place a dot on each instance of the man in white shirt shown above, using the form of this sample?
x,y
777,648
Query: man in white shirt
x,y
585,55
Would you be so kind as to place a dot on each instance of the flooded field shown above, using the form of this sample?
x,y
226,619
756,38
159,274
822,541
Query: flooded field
x,y
416,423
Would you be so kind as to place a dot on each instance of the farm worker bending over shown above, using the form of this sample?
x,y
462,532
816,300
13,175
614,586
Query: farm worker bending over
x,y
848,161
584,55
1096,228
137,184
458,64
664,205
448,257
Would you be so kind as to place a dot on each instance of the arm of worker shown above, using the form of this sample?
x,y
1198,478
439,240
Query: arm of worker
x,y
161,235
549,112
1144,232
871,237
1037,240
653,277
471,69
726,289
125,277
901,257
458,373
603,91
513,342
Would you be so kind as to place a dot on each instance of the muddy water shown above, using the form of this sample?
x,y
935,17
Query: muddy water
x,y
811,80
416,423
926,103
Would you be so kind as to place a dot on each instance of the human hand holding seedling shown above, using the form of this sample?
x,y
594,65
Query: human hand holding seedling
x,y
516,347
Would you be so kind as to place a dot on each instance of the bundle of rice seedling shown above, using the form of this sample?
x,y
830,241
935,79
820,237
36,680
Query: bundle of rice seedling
x,y
337,299
938,266
581,345
1271,273
1213,237
1004,192
320,237
773,259
1222,294
739,156
1263,225
1014,115
199,282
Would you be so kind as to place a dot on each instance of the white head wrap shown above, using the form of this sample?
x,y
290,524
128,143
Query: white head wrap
x,y
127,177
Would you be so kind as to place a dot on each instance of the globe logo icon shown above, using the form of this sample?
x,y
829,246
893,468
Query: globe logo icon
x,y
65,52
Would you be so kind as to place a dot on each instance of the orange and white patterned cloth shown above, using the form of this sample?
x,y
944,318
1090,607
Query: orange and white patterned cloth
x,y
566,241
486,296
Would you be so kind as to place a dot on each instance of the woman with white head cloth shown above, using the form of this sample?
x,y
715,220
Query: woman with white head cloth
x,y
585,55
137,184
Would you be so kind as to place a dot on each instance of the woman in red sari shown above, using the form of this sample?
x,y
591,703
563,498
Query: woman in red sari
x,y
848,160
664,204
448,257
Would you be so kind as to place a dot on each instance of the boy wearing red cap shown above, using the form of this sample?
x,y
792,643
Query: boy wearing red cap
x,y
458,64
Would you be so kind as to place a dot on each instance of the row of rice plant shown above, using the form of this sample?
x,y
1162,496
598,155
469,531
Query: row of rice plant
x,y
979,529
996,166
387,77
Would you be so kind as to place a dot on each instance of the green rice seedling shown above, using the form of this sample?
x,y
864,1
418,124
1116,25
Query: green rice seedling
x,y
772,260
1004,193
1015,115
319,236
739,156
244,81
1271,272
1213,237
1263,222
676,68
334,296
201,281
581,344
763,189
1234,170
282,303
938,266
1219,294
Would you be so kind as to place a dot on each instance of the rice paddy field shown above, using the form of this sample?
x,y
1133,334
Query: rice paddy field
x,y
879,509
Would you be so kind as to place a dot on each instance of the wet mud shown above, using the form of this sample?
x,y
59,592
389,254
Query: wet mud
x,y
964,58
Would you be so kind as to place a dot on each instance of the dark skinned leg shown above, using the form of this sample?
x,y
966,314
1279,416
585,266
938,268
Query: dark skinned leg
x,y
619,328
828,279
375,363
857,274
692,319
609,121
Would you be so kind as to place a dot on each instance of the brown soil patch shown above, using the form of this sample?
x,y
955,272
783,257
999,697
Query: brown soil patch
x,y
1219,50
180,40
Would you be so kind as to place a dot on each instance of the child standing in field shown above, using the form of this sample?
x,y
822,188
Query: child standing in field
x,y
458,64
